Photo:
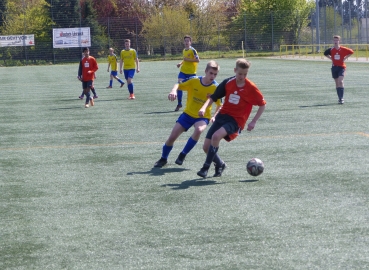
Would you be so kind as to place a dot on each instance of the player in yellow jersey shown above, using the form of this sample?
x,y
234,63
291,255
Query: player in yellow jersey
x,y
129,58
198,90
113,64
188,66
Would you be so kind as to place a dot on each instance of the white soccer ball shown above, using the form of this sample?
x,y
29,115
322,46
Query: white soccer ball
x,y
255,167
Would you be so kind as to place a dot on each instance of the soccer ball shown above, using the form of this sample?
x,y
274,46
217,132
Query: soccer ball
x,y
255,167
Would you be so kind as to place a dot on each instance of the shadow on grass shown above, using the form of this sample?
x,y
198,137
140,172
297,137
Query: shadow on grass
x,y
318,105
159,171
160,112
248,181
191,183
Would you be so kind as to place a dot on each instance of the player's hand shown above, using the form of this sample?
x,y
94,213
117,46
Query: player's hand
x,y
201,113
90,71
138,70
172,96
108,70
120,71
212,119
79,78
178,65
251,126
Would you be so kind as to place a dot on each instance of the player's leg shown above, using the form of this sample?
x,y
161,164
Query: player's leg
x,y
115,76
199,127
177,130
340,86
129,74
181,77
94,91
111,80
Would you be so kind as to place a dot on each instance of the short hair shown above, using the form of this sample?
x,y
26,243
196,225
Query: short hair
x,y
187,36
85,49
212,65
127,40
242,63
337,36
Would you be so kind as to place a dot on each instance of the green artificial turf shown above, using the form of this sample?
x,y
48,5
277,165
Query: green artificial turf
x,y
79,191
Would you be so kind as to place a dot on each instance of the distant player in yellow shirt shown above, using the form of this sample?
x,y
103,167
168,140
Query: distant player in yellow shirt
x,y
198,90
113,64
188,66
129,58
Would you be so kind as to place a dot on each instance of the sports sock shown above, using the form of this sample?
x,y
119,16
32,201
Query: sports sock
x,y
130,88
88,97
341,91
166,151
211,154
189,145
93,91
111,83
217,160
179,96
120,81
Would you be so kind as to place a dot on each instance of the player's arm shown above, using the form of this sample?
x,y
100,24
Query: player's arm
x,y
173,94
207,103
217,109
108,66
179,64
121,64
137,65
79,77
252,124
327,53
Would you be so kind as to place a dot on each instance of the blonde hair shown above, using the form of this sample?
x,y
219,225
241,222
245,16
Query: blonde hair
x,y
212,65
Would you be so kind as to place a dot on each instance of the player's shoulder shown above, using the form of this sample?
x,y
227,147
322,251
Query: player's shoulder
x,y
230,80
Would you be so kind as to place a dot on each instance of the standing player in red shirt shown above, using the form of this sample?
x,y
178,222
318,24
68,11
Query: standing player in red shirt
x,y
86,74
338,54
240,94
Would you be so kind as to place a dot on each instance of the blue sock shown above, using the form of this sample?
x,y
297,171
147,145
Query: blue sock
x,y
119,80
189,145
179,96
130,88
166,151
111,83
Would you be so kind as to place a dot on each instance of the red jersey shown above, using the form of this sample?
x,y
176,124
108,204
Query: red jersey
x,y
87,68
238,101
337,55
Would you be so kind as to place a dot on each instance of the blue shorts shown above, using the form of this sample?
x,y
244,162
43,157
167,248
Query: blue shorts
x,y
129,73
114,73
337,72
184,76
187,121
87,84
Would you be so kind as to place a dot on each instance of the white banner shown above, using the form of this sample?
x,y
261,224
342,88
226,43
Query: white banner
x,y
71,37
17,40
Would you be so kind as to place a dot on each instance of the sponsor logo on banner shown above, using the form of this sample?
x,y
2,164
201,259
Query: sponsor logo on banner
x,y
17,40
71,37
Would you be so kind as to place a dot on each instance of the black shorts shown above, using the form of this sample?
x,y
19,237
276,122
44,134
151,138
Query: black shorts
x,y
225,121
87,84
337,72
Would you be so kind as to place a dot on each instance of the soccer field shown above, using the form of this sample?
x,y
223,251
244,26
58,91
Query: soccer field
x,y
79,191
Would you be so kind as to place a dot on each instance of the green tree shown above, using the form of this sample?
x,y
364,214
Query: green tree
x,y
273,21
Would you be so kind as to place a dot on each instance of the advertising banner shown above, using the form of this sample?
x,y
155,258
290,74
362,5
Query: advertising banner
x,y
17,40
71,37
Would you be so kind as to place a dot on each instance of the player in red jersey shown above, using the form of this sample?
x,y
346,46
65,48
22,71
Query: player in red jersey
x,y
86,73
240,95
338,55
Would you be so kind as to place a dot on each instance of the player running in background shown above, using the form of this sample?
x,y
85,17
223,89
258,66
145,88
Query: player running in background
x,y
129,58
188,66
240,95
86,73
338,55
198,89
113,64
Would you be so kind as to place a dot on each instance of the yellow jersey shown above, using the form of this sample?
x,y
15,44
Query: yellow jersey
x,y
189,67
197,95
129,58
112,60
